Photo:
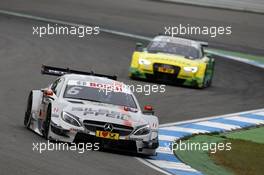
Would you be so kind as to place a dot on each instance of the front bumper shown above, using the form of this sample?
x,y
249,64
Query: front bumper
x,y
145,144
177,78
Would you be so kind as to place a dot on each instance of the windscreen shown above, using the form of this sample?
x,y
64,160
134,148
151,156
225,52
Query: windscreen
x,y
99,95
174,48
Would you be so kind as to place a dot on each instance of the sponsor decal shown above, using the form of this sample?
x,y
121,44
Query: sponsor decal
x,y
115,86
104,112
55,110
107,135
127,122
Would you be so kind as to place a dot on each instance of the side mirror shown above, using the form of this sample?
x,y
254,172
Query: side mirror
x,y
148,110
139,46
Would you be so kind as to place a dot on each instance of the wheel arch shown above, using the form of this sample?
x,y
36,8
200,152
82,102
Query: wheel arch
x,y
152,119
37,96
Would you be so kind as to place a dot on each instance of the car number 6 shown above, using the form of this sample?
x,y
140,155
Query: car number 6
x,y
74,90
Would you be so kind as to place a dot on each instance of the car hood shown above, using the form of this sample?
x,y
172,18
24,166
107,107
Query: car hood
x,y
105,113
170,59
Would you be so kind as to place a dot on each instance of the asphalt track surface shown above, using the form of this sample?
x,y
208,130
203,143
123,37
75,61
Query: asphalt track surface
x,y
236,87
149,17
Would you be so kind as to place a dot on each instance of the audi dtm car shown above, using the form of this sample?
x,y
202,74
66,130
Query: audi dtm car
x,y
80,105
174,60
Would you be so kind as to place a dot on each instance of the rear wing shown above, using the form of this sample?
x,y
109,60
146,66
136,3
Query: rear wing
x,y
56,71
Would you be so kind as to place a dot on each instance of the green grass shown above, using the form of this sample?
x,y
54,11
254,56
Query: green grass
x,y
245,158
255,135
200,160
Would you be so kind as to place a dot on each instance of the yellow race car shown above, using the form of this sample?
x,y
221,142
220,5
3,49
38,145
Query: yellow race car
x,y
173,60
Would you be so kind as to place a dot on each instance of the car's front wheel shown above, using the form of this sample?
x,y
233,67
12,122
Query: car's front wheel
x,y
207,83
28,114
208,77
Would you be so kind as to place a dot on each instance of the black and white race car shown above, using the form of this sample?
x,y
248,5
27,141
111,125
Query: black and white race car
x,y
80,105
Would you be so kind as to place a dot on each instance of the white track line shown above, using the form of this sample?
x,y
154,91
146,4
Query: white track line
x,y
218,125
56,21
168,138
210,118
246,119
259,113
164,150
125,34
172,165
182,129
155,167
238,59
241,5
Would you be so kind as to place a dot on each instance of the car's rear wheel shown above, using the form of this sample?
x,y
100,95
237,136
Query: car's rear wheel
x,y
28,114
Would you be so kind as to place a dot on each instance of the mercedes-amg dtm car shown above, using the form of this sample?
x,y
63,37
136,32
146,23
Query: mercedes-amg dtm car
x,y
81,105
173,60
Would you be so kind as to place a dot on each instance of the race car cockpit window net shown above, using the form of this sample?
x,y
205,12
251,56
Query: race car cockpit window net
x,y
174,48
99,95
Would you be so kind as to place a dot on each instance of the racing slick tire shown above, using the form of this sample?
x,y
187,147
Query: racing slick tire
x,y
28,113
208,82
46,127
133,77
